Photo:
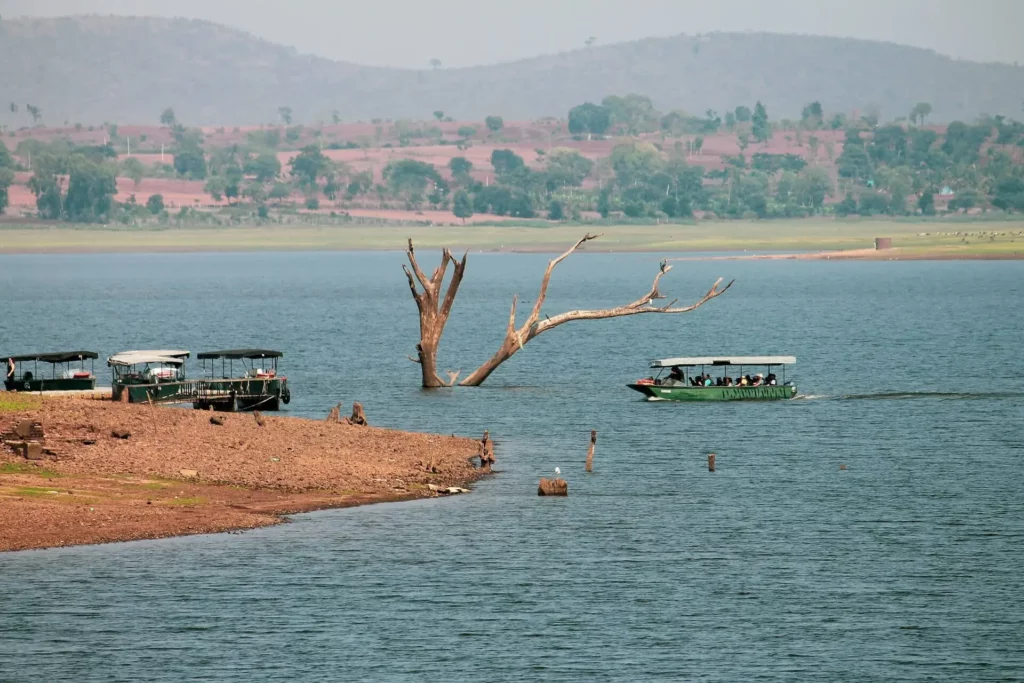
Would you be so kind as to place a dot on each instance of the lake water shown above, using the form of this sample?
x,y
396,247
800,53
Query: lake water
x,y
780,566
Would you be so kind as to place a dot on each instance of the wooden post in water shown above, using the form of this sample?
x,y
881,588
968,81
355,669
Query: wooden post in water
x,y
711,462
590,451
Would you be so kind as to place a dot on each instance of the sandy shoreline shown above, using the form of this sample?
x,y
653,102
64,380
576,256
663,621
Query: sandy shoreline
x,y
179,474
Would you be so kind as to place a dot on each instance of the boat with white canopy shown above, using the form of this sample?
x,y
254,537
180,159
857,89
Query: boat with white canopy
x,y
718,378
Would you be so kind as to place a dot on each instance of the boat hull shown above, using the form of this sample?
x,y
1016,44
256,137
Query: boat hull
x,y
683,393
56,384
217,394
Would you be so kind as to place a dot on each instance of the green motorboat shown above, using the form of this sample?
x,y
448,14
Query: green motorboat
x,y
64,375
141,376
255,386
684,383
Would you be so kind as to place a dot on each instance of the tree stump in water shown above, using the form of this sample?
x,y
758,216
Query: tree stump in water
x,y
553,487
358,417
590,451
486,452
711,462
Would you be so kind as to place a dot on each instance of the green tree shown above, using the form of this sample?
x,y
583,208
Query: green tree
x,y
462,205
567,167
168,118
286,115
280,192
190,162
6,180
730,120
926,203
811,188
604,204
634,112
134,170
408,178
556,210
265,167
155,203
761,129
635,162
308,166
494,123
461,168
920,111
466,132
439,115
589,118
742,114
215,187
336,117
91,190
506,162
35,112
812,115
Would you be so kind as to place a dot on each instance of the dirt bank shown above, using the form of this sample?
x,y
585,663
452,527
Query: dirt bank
x,y
177,473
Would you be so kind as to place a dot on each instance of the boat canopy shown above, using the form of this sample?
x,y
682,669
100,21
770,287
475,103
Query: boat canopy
x,y
235,354
127,358
59,357
723,360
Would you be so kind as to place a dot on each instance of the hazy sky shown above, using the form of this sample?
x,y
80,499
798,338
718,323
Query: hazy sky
x,y
464,33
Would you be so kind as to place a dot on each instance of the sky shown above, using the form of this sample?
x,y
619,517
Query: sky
x,y
464,33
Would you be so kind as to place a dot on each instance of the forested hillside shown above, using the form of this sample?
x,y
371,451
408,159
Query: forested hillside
x,y
95,69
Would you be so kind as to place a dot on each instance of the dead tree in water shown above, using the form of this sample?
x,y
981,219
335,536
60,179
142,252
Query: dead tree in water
x,y
434,311
515,339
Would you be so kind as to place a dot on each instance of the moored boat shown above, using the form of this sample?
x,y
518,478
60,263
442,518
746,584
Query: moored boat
x,y
69,377
683,383
255,386
143,376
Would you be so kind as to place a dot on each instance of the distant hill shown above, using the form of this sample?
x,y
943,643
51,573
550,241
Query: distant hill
x,y
92,69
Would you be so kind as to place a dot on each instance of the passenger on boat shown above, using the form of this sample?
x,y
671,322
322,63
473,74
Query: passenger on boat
x,y
727,382
758,380
743,381
675,376
10,368
707,380
771,380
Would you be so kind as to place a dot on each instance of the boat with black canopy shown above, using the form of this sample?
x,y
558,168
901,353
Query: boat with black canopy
x,y
67,371
254,386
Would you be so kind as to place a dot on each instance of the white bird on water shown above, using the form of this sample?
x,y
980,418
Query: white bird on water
x,y
558,472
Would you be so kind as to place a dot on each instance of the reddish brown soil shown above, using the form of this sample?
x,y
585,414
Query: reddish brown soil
x,y
179,474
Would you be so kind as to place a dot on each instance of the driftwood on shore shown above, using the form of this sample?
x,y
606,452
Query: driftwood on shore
x,y
357,418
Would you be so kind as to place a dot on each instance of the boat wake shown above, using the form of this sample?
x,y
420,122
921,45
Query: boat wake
x,y
908,395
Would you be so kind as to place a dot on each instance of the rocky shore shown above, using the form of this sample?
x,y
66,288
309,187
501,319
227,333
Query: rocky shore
x,y
105,471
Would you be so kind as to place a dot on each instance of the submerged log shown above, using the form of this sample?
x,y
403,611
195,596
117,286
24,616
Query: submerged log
x,y
259,418
120,433
335,414
590,451
358,417
553,487
216,420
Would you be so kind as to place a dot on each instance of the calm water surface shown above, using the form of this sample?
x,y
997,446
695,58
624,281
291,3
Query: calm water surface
x,y
778,567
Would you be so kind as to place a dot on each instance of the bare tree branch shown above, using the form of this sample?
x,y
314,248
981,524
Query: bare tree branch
x,y
434,308
515,339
